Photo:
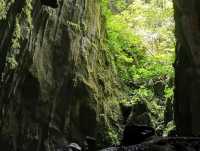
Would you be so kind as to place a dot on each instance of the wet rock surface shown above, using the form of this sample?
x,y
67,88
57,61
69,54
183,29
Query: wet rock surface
x,y
51,3
139,114
163,144
142,138
135,134
56,77
187,62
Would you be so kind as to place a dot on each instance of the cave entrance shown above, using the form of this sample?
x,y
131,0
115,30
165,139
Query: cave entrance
x,y
142,42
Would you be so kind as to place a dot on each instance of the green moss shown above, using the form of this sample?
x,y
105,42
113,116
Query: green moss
x,y
4,7
15,46
77,27
11,62
170,126
27,10
107,133
73,25
113,136
26,17
16,35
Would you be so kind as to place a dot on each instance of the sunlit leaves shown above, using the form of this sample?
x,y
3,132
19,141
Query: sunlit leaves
x,y
141,41
153,22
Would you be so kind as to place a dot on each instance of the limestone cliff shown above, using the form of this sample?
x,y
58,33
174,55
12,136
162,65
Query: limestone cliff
x,y
56,81
187,84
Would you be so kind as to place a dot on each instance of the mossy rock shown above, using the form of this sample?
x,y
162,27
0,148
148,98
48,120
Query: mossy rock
x,y
140,114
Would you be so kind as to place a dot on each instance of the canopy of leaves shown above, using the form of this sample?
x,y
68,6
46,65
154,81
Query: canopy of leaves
x,y
140,39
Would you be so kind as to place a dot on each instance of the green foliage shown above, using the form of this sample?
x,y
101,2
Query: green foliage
x,y
113,136
4,7
140,39
16,35
24,17
109,129
73,25
117,5
170,126
11,62
153,22
15,47
107,136
27,11
120,5
168,93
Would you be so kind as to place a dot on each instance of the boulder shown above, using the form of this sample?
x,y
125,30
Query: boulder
x,y
135,134
140,114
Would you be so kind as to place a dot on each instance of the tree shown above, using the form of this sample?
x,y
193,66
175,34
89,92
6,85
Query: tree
x,y
141,42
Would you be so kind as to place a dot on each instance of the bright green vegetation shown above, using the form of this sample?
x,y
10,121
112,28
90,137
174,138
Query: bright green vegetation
x,y
4,7
24,16
140,39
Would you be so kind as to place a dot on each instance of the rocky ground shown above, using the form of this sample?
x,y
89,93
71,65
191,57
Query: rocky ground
x,y
163,144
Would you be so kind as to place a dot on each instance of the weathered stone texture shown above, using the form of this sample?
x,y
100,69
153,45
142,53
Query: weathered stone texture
x,y
187,67
54,84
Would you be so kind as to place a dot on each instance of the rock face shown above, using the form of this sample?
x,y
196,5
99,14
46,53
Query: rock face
x,y
187,75
55,74
140,114
162,144
168,113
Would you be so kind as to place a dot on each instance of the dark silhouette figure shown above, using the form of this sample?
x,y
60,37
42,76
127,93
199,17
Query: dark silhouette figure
x,y
135,134
51,3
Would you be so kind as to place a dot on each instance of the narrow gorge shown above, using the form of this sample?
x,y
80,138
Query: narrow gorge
x,y
92,74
